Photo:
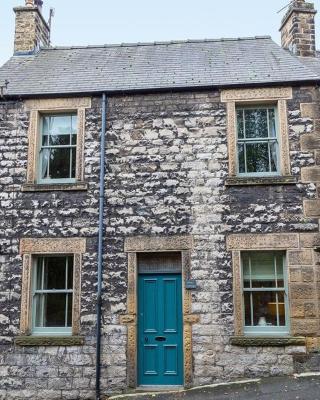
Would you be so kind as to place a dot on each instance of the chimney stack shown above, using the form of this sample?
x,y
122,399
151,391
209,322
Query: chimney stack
x,y
298,29
32,30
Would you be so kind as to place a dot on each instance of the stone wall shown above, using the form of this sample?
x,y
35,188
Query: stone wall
x,y
43,372
165,171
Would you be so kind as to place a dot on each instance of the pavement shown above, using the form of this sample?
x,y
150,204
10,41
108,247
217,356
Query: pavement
x,y
298,387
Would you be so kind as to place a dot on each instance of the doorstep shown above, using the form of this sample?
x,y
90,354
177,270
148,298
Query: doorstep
x,y
159,388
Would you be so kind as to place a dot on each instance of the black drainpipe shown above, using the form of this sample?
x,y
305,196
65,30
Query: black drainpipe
x,y
100,242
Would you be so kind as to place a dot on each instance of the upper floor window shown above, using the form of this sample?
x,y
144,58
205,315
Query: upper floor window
x,y
58,148
52,295
265,293
257,141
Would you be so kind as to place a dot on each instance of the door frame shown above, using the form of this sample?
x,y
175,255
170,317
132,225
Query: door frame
x,y
143,244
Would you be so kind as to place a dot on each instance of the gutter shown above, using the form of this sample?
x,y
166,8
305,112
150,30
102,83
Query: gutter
x,y
100,243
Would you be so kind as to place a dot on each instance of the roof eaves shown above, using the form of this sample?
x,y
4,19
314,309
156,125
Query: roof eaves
x,y
167,89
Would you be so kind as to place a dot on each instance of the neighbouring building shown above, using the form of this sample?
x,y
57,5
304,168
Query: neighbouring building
x,y
207,217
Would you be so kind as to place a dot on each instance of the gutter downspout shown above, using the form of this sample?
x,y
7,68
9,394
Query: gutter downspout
x,y
100,243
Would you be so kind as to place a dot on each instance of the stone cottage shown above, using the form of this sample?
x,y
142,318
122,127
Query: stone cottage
x,y
159,211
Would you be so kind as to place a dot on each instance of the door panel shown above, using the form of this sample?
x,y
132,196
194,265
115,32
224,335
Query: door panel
x,y
170,359
150,315
160,330
151,362
170,305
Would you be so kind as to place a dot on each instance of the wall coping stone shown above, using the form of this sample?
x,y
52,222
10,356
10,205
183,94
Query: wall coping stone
x,y
49,341
248,341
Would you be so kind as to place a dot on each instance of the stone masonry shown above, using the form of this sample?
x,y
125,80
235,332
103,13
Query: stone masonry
x,y
31,30
298,29
166,165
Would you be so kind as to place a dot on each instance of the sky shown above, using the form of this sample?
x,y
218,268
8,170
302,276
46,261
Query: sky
x,y
94,22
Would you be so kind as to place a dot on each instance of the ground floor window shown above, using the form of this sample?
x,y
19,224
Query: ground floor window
x,y
52,294
265,293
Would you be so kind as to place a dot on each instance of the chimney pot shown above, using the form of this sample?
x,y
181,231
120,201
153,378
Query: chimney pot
x,y
38,3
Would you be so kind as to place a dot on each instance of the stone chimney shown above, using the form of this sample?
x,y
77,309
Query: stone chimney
x,y
298,29
32,31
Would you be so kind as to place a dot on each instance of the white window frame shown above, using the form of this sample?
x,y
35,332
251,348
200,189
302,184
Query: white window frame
x,y
259,140
41,180
42,331
267,330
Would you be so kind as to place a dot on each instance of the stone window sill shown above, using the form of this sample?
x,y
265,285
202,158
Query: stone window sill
x,y
264,180
276,341
34,187
49,341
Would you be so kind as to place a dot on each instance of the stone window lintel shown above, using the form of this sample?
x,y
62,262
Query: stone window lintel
x,y
146,244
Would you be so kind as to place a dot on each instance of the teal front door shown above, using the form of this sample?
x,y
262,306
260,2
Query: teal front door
x,y
160,344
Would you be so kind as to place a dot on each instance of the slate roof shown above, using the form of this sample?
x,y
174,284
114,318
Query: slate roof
x,y
153,66
312,63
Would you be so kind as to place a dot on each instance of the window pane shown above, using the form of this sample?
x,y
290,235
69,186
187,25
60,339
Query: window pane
x,y
50,310
73,162
55,273
57,125
241,155
45,125
240,124
54,310
44,155
246,271
267,309
272,123
257,157
59,140
74,139
59,167
279,266
273,156
39,273
45,140
256,123
247,308
282,309
69,311
74,124
263,270
37,309
70,272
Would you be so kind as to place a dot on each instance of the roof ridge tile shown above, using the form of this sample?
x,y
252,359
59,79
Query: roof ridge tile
x,y
156,43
